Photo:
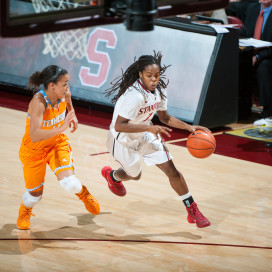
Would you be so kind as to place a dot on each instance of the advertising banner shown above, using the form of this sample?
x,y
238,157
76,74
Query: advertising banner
x,y
95,56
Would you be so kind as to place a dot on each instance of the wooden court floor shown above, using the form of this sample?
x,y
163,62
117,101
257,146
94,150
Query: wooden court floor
x,y
147,229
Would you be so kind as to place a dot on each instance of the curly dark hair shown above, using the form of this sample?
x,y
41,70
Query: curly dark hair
x,y
51,73
132,74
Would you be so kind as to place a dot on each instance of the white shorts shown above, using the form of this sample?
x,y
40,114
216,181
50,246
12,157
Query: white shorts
x,y
129,155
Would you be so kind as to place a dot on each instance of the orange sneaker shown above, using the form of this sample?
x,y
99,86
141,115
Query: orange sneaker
x,y
89,201
23,221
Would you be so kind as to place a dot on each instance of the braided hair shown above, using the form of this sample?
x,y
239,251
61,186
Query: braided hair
x,y
124,81
51,73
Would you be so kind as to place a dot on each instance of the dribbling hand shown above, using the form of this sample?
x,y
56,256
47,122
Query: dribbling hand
x,y
194,128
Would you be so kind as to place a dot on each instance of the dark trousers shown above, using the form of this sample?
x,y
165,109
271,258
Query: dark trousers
x,y
264,77
245,85
257,80
239,9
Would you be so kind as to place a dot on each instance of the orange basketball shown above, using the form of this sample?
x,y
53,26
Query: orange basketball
x,y
201,144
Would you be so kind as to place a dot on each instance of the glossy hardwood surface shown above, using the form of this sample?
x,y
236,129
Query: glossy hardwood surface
x,y
147,229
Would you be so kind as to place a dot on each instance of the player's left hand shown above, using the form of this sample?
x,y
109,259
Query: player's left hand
x,y
74,124
194,128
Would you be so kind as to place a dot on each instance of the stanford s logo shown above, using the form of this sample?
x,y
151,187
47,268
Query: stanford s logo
x,y
101,58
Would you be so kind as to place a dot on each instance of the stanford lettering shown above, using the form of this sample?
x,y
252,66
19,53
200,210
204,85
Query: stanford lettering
x,y
149,108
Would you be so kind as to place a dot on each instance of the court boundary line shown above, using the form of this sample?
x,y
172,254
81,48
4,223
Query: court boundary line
x,y
167,142
185,139
101,153
132,241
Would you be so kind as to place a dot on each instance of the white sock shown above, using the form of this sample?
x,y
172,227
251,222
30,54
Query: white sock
x,y
115,176
183,197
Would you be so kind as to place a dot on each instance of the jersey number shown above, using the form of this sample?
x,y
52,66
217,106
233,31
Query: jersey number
x,y
148,116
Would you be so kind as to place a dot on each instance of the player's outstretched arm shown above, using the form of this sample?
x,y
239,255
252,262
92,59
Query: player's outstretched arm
x,y
68,98
172,121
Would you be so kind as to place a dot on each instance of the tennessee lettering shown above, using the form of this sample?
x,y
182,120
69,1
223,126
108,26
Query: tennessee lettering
x,y
149,108
54,121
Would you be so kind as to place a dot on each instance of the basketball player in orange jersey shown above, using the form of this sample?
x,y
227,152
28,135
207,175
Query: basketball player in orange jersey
x,y
132,136
44,142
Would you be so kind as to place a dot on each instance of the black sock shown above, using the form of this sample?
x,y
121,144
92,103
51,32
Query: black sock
x,y
112,177
188,201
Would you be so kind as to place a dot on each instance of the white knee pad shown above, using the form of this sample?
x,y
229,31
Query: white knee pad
x,y
29,200
71,184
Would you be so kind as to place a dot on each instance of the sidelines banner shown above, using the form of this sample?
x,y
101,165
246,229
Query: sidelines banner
x,y
95,56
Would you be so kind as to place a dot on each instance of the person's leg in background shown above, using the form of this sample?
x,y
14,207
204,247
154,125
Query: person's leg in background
x,y
264,76
245,85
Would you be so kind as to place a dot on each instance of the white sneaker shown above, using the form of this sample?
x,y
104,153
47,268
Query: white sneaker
x,y
263,122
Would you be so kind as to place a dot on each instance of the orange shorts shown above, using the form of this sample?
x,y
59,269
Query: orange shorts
x,y
58,157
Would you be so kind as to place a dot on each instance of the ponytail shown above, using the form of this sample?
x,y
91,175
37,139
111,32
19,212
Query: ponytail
x,y
51,73
35,81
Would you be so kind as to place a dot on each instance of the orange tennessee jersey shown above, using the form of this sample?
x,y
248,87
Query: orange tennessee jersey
x,y
51,118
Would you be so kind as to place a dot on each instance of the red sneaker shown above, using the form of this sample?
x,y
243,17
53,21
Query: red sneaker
x,y
195,216
116,187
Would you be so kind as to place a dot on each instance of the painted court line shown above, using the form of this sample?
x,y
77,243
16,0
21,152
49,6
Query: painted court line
x,y
101,153
132,241
185,139
168,142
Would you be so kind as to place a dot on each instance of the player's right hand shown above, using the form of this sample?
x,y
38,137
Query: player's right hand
x,y
160,130
68,119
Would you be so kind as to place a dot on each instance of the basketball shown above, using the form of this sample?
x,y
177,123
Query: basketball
x,y
201,144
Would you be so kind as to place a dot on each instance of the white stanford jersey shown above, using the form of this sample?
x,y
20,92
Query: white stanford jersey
x,y
139,106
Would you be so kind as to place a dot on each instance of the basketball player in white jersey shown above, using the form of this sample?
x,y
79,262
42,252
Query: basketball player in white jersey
x,y
132,136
